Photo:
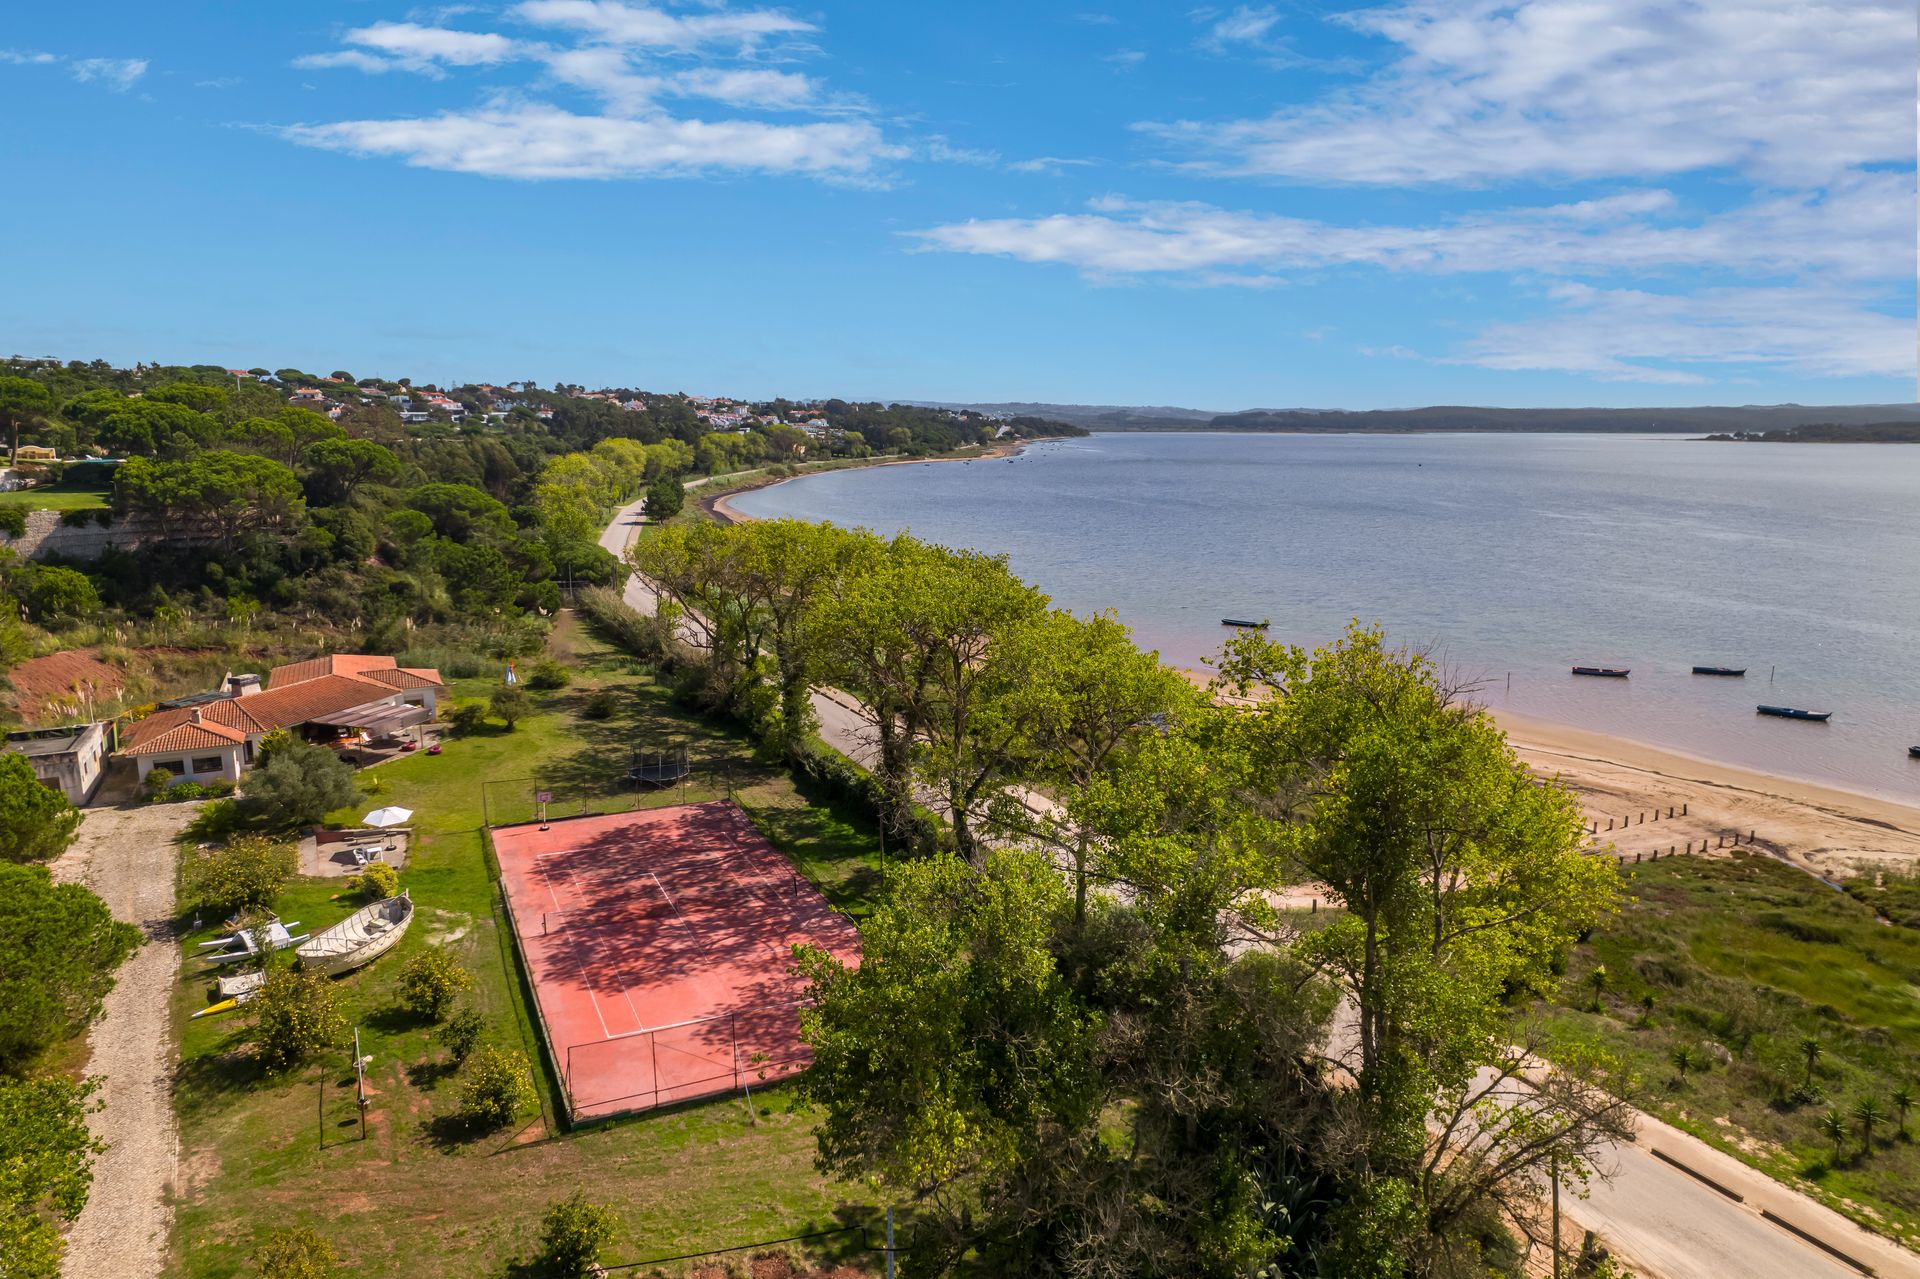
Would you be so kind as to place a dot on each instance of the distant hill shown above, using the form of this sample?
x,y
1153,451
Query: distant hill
x,y
1747,418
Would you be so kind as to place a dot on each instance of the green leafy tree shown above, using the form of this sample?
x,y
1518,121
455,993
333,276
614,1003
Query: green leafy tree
x,y
245,874
298,786
235,497
46,1169
666,498
24,403
496,1085
337,468
294,1252
54,593
294,1015
510,703
36,821
430,982
467,718
462,1032
573,1234
59,947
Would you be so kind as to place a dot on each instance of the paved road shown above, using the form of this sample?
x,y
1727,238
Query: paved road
x,y
1664,1223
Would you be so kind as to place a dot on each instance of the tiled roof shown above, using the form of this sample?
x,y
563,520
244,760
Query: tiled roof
x,y
184,729
332,664
405,677
294,704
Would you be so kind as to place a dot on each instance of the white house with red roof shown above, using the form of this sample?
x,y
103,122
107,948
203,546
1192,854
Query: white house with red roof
x,y
217,738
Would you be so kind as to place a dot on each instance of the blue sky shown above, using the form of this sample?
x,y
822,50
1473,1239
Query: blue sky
x,y
1523,202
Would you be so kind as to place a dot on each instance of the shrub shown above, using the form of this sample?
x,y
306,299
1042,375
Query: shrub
x,y
467,718
158,781
511,703
462,1033
78,518
294,1252
431,981
666,497
573,1234
497,1086
298,786
54,593
179,793
295,1015
549,675
378,881
59,945
217,821
246,874
601,704
13,521
36,821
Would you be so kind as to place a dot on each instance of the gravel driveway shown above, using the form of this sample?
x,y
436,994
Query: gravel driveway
x,y
127,856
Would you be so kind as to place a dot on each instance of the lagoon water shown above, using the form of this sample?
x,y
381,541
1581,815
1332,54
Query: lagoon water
x,y
1512,557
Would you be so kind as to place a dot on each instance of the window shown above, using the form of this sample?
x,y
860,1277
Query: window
x,y
208,764
174,766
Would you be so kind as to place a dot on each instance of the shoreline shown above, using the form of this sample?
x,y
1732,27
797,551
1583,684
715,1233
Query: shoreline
x,y
720,507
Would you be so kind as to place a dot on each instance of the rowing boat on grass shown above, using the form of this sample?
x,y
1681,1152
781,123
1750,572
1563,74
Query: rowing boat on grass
x,y
359,939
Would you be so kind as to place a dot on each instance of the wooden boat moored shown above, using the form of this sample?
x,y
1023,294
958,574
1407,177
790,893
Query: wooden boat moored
x,y
1608,672
1914,751
359,939
1794,712
1244,624
1735,671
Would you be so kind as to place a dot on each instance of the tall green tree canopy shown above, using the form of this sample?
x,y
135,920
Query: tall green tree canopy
x,y
59,946
46,1158
36,821
235,496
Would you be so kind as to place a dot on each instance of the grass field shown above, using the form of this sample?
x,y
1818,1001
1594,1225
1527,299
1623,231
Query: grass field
x,y
420,1199
56,499
1746,959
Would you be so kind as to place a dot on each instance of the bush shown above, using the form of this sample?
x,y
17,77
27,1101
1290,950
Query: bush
x,y
158,782
59,945
36,821
431,981
497,1086
467,718
54,593
217,822
295,1252
246,874
178,793
601,704
573,1234
549,675
13,521
295,1015
511,703
462,1033
298,786
378,881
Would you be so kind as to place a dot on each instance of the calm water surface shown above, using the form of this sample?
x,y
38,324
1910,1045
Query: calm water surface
x,y
1512,557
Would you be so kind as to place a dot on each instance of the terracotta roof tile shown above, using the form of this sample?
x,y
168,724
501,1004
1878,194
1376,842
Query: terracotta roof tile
x,y
181,729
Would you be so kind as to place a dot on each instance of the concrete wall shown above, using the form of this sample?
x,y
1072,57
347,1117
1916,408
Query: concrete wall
x,y
47,535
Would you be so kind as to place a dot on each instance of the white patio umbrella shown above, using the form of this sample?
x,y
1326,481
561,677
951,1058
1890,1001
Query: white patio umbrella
x,y
384,817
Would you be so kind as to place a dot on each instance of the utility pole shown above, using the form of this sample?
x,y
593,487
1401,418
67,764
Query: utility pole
x,y
1554,1163
890,1242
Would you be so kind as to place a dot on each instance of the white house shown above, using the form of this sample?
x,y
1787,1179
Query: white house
x,y
67,759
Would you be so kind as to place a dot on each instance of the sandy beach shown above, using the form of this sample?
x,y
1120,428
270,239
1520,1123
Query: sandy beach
x,y
721,508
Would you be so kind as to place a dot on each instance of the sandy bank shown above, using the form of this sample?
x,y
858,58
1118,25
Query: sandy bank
x,y
721,508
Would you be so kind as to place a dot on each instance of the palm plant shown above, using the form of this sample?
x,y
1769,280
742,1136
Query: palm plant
x,y
1836,1130
1684,1060
1867,1113
1598,980
1812,1049
1902,1099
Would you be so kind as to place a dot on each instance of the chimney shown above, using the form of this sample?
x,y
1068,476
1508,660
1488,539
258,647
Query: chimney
x,y
195,717
242,685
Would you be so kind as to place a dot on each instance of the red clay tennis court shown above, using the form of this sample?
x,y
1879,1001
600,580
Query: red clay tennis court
x,y
658,943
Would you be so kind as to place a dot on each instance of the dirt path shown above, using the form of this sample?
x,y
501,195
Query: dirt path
x,y
127,856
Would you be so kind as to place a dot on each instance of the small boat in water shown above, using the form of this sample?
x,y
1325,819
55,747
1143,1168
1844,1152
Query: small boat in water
x,y
1608,672
1914,751
359,939
1794,712
1735,671
1244,624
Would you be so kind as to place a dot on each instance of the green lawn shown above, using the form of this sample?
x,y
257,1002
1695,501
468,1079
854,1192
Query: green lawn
x,y
1746,958
57,499
416,1199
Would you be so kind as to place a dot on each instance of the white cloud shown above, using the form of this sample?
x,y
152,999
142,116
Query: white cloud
x,y
117,74
1844,233
26,59
1050,164
412,43
352,59
1126,59
545,142
647,27
1248,25
1633,335
766,90
1787,91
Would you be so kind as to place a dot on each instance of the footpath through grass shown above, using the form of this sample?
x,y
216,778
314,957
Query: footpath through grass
x,y
1752,967
417,1198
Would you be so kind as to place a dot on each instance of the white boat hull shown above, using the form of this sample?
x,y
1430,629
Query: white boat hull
x,y
359,939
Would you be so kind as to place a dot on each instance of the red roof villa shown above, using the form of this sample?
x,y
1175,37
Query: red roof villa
x,y
216,737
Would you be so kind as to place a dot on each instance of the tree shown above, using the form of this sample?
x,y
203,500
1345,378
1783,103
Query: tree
x,y
294,1252
1811,1050
1835,1127
511,703
1902,1099
298,785
1685,1060
294,1015
36,821
338,467
23,403
245,874
430,982
54,593
467,718
46,1158
234,496
496,1086
666,497
462,1033
573,1234
59,947
1867,1113
461,513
